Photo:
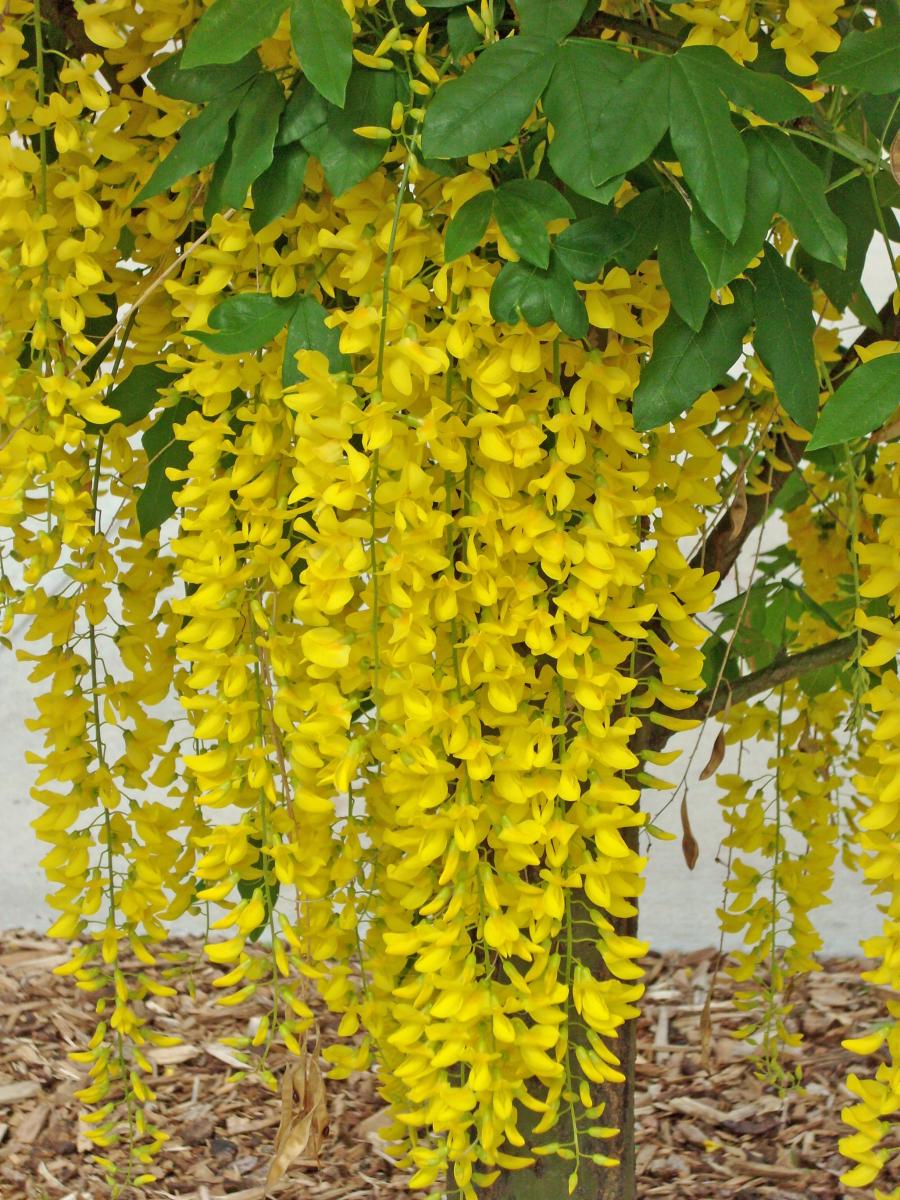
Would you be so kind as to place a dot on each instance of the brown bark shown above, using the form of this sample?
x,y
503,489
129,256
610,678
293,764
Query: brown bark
x,y
548,1178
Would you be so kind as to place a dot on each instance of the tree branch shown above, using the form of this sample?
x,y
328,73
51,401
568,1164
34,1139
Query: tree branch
x,y
61,16
782,670
602,20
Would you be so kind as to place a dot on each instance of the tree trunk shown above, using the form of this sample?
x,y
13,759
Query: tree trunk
x,y
548,1178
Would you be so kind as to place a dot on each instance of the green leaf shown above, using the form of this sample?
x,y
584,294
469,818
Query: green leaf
x,y
533,294
305,112
489,103
821,679
784,336
466,229
252,145
202,83
644,214
723,260
346,158
801,199
632,122
866,62
684,364
155,503
816,608
522,209
520,293
566,304
587,246
586,75
882,117
714,660
229,28
790,494
549,18
462,35
201,141
322,36
708,146
762,93
682,271
246,322
139,393
279,187
308,331
862,404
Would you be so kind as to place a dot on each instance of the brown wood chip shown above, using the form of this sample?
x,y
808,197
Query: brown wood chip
x,y
706,1126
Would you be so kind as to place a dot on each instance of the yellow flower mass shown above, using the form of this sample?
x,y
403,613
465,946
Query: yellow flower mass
x,y
384,687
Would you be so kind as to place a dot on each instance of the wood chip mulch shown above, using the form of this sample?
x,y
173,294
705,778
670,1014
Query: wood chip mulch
x,y
707,1128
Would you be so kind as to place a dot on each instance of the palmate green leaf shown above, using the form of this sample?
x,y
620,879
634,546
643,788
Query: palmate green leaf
x,y
137,395
801,198
322,36
862,404
566,303
588,245
535,295
587,74
782,305
708,146
632,122
549,18
467,228
682,271
280,186
246,322
251,145
519,293
346,157
721,259
305,112
867,62
307,331
522,209
155,503
489,103
768,95
202,83
229,28
201,141
685,364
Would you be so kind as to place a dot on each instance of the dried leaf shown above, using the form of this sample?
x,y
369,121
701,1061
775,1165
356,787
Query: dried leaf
x,y
689,847
716,755
706,1028
304,1116
895,156
738,511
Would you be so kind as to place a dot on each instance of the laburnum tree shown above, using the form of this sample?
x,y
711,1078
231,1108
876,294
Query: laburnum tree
x,y
387,389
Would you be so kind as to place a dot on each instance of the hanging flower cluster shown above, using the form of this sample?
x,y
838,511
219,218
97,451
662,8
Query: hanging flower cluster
x,y
358,600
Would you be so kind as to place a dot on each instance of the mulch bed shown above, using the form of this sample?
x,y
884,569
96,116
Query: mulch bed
x,y
707,1128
